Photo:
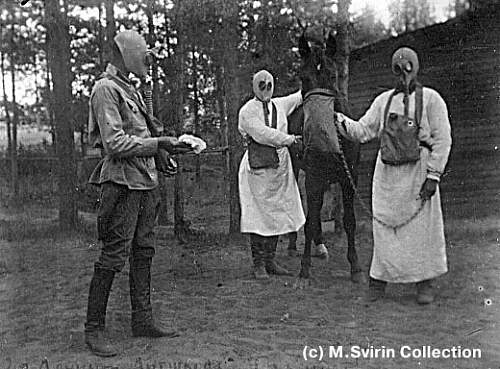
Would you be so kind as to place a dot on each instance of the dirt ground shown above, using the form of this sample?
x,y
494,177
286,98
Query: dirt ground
x,y
227,319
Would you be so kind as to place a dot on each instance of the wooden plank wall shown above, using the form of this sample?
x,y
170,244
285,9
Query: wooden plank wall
x,y
461,60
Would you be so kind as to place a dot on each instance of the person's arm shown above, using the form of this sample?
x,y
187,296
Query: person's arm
x,y
437,114
289,103
368,126
105,106
261,133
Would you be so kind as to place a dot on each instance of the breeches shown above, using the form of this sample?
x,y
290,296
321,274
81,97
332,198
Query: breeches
x,y
125,225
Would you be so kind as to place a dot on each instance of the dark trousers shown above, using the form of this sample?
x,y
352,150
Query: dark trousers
x,y
125,225
263,248
125,222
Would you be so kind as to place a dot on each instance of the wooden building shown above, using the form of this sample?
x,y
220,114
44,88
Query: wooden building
x,y
461,60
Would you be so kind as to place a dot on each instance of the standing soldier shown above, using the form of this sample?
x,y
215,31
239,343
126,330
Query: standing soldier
x,y
127,175
412,124
269,195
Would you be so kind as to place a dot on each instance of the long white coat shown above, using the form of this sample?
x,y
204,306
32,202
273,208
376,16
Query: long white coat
x,y
416,251
269,198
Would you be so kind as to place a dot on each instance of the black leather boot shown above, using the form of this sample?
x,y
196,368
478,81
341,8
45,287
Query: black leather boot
x,y
292,244
376,290
271,266
140,299
425,294
100,287
258,256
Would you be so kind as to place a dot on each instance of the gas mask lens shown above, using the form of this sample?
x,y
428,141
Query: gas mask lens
x,y
263,86
398,69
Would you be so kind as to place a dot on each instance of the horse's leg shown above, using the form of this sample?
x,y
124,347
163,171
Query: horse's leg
x,y
349,220
314,191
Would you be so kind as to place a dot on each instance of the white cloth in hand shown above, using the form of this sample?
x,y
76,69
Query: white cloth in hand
x,y
196,143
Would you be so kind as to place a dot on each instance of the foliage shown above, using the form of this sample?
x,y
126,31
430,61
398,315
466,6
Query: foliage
x,y
409,15
367,29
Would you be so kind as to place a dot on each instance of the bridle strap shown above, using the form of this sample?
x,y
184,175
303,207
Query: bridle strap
x,y
321,92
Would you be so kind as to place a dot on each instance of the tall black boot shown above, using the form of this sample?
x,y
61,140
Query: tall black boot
x,y
140,299
425,295
100,287
258,255
271,266
376,290
292,244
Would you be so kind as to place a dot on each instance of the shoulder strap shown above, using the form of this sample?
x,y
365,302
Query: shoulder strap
x,y
419,103
274,118
388,106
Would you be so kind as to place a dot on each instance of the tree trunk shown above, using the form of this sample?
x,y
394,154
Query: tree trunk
x,y
58,49
221,105
234,75
343,48
196,108
110,27
164,191
235,147
5,100
407,16
15,121
150,8
180,223
100,36
50,106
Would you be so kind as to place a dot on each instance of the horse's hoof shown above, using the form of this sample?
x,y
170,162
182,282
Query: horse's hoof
x,y
358,277
320,251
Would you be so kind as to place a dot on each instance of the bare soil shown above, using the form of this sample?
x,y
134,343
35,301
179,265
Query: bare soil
x,y
205,289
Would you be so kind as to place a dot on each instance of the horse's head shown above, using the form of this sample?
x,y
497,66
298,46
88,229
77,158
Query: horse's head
x,y
318,69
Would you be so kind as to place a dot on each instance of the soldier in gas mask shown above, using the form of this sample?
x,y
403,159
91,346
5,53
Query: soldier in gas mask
x,y
269,195
129,199
412,124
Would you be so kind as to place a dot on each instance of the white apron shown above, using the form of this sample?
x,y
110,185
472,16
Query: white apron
x,y
269,198
416,251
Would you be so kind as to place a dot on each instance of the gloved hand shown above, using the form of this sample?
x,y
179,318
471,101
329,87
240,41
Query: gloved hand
x,y
340,124
428,189
297,147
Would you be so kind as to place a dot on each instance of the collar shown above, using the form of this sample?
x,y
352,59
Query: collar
x,y
319,91
262,101
401,88
114,71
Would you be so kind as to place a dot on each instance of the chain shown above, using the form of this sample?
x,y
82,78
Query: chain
x,y
365,207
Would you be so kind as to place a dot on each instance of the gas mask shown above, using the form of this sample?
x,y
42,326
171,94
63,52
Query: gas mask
x,y
263,85
136,56
405,66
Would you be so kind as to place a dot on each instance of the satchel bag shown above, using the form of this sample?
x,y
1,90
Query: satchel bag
x,y
262,156
399,142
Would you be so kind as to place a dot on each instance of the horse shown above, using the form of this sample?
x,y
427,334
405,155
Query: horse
x,y
318,75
